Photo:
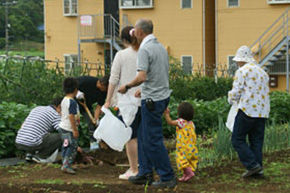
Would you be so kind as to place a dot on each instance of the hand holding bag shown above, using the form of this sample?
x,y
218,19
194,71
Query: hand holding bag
x,y
112,131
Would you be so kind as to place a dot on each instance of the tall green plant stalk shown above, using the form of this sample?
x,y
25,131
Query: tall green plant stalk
x,y
222,142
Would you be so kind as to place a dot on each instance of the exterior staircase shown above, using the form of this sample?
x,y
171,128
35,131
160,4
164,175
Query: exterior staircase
x,y
100,28
271,49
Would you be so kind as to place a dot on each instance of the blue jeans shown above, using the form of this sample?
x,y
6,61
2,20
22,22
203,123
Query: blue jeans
x,y
152,153
250,155
69,147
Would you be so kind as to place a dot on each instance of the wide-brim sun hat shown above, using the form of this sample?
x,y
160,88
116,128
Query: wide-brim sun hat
x,y
244,54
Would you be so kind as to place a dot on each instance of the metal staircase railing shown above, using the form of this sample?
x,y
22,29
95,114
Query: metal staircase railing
x,y
101,28
272,39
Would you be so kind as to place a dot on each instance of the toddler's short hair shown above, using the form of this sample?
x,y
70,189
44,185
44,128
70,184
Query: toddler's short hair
x,y
69,85
185,111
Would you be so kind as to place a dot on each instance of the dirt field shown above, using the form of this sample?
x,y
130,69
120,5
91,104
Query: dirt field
x,y
103,178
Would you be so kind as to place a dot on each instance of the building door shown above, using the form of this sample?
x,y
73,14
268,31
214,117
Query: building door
x,y
111,7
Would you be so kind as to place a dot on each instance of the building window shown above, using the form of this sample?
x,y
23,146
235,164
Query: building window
x,y
70,7
232,66
186,63
135,4
233,3
186,4
278,1
70,62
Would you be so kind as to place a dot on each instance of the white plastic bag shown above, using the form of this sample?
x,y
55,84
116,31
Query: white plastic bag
x,y
128,106
112,131
52,158
231,117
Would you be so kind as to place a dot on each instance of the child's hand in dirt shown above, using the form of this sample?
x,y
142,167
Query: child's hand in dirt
x,y
76,134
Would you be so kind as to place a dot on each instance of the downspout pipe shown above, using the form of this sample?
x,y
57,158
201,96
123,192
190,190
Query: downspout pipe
x,y
216,32
203,36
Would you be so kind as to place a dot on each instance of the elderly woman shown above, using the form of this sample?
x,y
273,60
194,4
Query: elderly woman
x,y
123,70
251,92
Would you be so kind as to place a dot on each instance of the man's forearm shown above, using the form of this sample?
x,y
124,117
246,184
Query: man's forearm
x,y
139,79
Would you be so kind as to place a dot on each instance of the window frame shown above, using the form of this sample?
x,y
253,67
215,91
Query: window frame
x,y
70,8
229,65
186,7
278,2
182,56
136,6
66,71
233,5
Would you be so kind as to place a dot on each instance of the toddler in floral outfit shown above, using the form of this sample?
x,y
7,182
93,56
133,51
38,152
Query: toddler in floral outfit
x,y
186,151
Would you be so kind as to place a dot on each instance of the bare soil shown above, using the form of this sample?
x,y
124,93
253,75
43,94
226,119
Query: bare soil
x,y
100,175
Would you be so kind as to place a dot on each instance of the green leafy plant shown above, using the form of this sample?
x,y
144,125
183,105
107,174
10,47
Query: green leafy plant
x,y
28,82
280,106
12,116
186,86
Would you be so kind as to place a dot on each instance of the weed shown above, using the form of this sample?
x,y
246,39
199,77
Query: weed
x,y
146,187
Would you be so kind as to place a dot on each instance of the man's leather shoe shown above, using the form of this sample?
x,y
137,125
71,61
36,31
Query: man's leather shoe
x,y
146,179
259,175
251,172
165,184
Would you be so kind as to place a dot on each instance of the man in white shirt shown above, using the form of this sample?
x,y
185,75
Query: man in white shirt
x,y
251,92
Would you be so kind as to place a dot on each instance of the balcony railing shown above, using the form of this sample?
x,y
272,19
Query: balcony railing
x,y
98,26
278,1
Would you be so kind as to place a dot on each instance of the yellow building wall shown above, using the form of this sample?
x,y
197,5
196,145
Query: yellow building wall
x,y
61,31
176,28
243,25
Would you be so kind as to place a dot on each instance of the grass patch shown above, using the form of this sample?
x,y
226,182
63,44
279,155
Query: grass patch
x,y
81,182
56,181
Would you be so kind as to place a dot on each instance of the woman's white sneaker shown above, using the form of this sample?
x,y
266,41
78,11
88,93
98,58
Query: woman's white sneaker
x,y
127,175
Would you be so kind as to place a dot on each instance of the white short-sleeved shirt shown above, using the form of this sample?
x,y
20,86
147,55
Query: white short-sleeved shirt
x,y
69,106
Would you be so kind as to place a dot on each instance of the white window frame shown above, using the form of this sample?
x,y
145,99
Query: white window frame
x,y
191,72
229,65
233,5
136,6
71,66
278,1
186,7
70,8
